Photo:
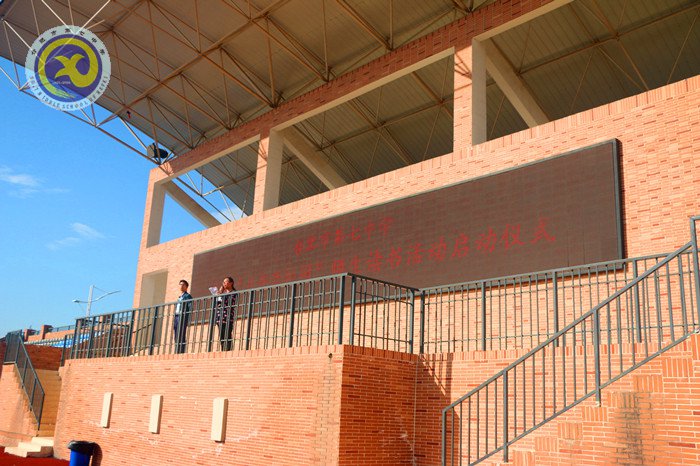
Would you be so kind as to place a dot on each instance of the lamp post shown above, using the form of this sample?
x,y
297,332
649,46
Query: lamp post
x,y
90,300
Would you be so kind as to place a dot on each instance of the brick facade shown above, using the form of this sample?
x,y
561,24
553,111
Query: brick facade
x,y
16,421
659,172
351,405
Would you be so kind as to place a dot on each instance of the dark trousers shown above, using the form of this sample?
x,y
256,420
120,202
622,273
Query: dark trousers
x,y
180,333
225,331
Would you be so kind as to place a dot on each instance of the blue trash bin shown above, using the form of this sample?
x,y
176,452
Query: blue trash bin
x,y
80,452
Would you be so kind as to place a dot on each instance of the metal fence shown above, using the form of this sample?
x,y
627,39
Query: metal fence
x,y
644,318
16,354
521,311
339,309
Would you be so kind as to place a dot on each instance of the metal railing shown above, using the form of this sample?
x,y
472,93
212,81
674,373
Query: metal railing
x,y
520,311
16,353
62,328
338,309
648,316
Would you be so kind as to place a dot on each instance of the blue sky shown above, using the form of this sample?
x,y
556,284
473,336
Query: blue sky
x,y
71,203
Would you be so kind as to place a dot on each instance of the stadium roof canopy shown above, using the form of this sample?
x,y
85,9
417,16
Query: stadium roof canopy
x,y
184,72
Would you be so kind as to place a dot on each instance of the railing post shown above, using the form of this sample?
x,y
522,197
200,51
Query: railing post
x,y
637,310
483,316
127,346
74,346
291,316
24,369
210,336
92,331
413,318
505,416
341,310
63,350
421,348
152,338
444,437
249,324
353,289
31,397
555,292
109,334
596,353
696,265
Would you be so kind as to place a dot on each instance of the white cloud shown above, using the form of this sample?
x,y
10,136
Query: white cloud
x,y
18,179
84,233
62,243
24,185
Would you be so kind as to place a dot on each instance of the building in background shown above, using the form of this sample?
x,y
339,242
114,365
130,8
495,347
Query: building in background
x,y
451,226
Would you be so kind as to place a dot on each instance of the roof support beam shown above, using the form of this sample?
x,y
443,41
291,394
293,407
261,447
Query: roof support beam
x,y
190,205
513,85
312,158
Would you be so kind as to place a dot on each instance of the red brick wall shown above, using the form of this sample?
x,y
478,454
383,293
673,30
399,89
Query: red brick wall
x,y
16,421
348,405
51,336
44,357
283,407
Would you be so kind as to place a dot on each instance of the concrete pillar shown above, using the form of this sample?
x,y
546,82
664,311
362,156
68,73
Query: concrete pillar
x,y
153,217
268,177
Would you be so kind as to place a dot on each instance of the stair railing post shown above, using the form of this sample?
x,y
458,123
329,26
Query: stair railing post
x,y
444,437
637,309
555,292
505,416
696,264
31,397
596,353
483,316
290,343
341,309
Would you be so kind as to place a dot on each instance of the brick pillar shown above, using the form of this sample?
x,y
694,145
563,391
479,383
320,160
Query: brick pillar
x,y
153,216
43,331
469,96
269,173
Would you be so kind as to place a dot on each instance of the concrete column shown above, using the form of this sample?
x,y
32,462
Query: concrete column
x,y
469,97
268,177
153,217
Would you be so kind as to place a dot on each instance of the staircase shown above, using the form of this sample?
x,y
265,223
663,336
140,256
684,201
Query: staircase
x,y
41,390
653,315
39,447
51,383
647,417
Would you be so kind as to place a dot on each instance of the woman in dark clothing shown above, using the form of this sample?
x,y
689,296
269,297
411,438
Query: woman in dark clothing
x,y
225,313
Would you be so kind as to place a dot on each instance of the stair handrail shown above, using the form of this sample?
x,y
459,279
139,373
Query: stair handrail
x,y
504,441
16,353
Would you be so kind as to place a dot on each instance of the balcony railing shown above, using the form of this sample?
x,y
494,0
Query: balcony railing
x,y
339,309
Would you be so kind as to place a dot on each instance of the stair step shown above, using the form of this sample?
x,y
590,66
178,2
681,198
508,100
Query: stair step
x,y
28,449
45,441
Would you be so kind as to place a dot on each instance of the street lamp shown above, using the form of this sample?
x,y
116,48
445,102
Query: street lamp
x,y
90,300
